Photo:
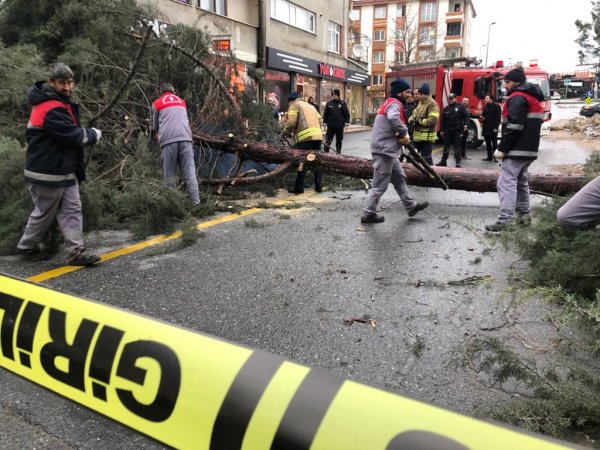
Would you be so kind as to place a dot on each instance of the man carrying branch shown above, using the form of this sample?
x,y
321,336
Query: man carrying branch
x,y
55,167
389,135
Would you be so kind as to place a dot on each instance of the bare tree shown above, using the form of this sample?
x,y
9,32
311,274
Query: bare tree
x,y
405,38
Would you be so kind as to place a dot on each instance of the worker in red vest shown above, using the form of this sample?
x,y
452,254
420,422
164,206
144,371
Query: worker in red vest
x,y
388,137
172,130
55,167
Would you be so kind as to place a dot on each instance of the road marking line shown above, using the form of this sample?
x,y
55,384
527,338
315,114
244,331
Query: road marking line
x,y
63,270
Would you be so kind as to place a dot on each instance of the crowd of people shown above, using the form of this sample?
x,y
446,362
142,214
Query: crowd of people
x,y
55,138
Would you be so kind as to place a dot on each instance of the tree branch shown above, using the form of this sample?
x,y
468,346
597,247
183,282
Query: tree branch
x,y
132,71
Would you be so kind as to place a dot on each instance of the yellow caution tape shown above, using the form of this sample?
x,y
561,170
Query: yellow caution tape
x,y
193,391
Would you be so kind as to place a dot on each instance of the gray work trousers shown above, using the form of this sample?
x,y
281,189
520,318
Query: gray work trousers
x,y
386,170
583,209
513,189
180,154
61,203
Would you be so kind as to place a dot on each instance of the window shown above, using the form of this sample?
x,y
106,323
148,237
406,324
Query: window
x,y
399,57
454,29
291,14
334,37
428,12
424,55
457,86
378,58
452,52
215,6
426,36
401,10
380,12
377,80
457,7
379,35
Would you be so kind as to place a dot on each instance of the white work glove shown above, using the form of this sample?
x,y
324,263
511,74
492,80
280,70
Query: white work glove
x,y
499,155
98,134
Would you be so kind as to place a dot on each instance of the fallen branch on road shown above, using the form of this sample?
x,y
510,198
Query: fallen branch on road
x,y
456,178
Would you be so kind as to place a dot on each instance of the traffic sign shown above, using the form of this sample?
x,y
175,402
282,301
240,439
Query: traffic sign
x,y
588,100
567,81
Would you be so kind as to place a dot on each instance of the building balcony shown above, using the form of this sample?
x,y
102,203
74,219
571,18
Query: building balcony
x,y
453,41
455,16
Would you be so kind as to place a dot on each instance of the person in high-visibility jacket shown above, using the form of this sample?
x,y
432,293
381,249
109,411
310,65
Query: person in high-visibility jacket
x,y
304,124
424,120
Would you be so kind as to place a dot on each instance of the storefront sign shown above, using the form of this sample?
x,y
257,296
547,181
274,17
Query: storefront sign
x,y
331,71
221,45
290,62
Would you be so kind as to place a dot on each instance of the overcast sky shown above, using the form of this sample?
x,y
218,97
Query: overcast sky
x,y
530,29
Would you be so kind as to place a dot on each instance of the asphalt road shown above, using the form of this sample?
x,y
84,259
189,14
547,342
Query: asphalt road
x,y
289,281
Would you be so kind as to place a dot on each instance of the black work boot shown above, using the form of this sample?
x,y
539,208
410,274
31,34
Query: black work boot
x,y
34,254
444,161
372,218
497,227
84,259
420,207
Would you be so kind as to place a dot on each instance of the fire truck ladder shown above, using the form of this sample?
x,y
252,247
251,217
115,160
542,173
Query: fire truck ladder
x,y
447,62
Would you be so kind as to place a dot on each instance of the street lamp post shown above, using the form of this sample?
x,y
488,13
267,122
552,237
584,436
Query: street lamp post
x,y
481,52
487,48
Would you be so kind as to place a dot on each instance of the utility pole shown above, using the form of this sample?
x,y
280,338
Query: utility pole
x,y
487,48
597,80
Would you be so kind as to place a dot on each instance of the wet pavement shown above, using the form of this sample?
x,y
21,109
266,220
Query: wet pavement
x,y
290,281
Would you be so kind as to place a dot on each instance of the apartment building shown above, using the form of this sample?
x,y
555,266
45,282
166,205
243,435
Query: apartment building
x,y
387,33
299,45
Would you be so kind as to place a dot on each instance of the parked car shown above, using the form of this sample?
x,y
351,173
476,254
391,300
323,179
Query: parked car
x,y
555,95
590,110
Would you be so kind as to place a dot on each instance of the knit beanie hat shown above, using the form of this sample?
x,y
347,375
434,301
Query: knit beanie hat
x,y
293,96
399,85
517,74
424,89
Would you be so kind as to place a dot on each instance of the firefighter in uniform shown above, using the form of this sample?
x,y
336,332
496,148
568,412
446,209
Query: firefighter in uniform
x,y
522,119
304,123
424,119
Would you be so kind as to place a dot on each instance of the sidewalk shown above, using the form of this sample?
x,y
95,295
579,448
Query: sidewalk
x,y
356,128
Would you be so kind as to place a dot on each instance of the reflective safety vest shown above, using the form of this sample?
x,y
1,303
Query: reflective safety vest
x,y
426,116
304,121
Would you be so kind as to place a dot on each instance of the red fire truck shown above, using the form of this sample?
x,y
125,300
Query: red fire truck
x,y
471,81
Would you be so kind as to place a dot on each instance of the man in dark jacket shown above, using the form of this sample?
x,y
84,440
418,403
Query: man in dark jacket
x,y
491,117
453,124
465,134
54,167
336,116
522,120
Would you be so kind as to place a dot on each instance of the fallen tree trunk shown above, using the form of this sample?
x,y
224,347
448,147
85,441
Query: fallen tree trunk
x,y
474,180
